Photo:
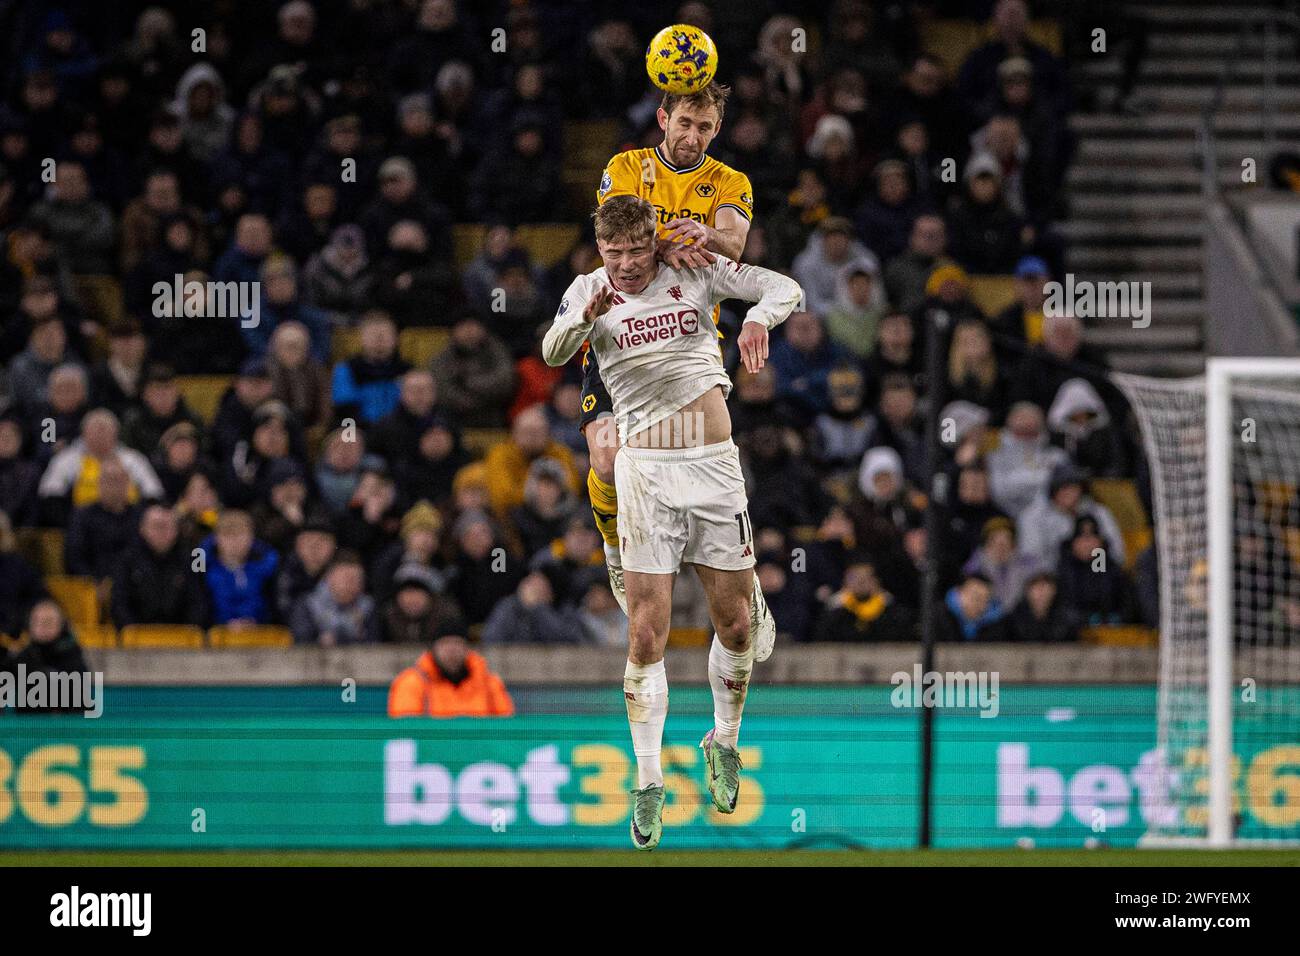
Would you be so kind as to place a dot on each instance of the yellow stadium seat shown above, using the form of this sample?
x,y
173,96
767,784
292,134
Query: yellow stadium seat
x,y
97,636
992,293
591,142
260,636
477,441
419,345
42,547
546,243
688,637
952,40
1120,635
162,636
344,344
77,596
203,393
1120,497
1135,542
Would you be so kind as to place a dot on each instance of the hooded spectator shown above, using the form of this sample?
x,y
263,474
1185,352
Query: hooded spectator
x,y
1092,578
1050,520
831,249
1021,466
1080,424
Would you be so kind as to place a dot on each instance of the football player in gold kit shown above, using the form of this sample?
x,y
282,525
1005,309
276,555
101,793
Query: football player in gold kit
x,y
703,206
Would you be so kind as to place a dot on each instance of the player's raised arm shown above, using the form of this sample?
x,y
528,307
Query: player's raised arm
x,y
774,295
573,321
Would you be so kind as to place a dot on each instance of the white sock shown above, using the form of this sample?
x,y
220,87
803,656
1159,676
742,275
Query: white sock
x,y
729,678
613,556
645,690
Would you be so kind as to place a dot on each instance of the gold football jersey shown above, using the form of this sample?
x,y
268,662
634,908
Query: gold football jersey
x,y
697,192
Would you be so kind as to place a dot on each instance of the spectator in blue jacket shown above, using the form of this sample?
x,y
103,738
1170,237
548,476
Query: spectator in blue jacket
x,y
803,360
367,386
239,572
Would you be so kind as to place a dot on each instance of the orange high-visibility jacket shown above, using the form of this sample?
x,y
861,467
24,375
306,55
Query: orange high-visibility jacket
x,y
421,691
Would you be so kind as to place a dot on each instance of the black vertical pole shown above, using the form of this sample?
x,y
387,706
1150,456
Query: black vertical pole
x,y
936,333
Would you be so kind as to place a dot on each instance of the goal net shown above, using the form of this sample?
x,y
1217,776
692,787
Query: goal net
x,y
1224,457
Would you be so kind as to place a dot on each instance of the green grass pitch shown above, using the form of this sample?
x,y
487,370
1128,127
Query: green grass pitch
x,y
629,857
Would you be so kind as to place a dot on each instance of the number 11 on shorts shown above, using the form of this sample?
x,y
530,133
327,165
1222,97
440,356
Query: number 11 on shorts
x,y
746,529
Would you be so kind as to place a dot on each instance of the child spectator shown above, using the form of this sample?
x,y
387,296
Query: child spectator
x,y
239,571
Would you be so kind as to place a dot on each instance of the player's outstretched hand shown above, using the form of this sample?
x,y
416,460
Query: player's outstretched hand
x,y
753,345
677,256
598,305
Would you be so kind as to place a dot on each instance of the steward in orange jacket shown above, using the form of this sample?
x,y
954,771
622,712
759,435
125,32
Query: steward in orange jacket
x,y
449,680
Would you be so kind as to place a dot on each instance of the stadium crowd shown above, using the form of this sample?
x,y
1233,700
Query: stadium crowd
x,y
324,150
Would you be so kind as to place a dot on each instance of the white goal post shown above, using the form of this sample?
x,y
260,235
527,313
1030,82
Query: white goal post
x,y
1224,457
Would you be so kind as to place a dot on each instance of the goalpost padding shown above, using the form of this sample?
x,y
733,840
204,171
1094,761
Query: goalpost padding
x,y
1224,457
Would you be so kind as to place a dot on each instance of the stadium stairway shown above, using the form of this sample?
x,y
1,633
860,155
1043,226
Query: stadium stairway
x,y
1137,211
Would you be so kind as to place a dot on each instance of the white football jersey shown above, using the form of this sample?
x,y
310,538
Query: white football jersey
x,y
658,350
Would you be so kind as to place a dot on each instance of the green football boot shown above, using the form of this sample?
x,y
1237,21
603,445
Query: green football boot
x,y
647,817
721,773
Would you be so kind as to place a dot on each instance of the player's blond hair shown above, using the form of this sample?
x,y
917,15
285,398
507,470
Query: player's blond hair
x,y
712,96
624,217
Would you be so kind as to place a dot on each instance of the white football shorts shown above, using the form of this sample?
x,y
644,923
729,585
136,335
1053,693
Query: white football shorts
x,y
679,505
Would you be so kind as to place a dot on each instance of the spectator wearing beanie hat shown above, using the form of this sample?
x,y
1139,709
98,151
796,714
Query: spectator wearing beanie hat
x,y
419,545
419,608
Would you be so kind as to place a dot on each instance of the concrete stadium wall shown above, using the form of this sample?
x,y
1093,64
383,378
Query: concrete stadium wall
x,y
824,664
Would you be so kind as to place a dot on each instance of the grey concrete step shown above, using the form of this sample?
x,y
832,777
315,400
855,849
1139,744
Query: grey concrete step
x,y
1194,17
1229,150
1177,98
1180,125
1163,42
1159,69
1123,259
1164,312
1179,232
1098,207
1115,179
1154,337
1172,290
1150,362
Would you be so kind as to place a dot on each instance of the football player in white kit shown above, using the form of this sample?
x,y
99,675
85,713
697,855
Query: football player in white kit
x,y
678,474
